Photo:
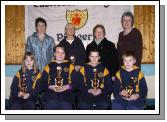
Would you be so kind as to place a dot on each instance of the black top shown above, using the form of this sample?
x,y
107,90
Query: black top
x,y
108,53
85,83
48,78
131,42
75,49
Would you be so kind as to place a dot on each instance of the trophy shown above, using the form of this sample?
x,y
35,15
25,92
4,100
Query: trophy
x,y
130,88
72,59
23,86
95,81
59,79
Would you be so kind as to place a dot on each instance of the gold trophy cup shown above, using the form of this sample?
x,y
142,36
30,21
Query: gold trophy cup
x,y
95,81
130,88
59,79
23,86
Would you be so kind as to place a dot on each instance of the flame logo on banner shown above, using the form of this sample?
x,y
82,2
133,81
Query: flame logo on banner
x,y
77,17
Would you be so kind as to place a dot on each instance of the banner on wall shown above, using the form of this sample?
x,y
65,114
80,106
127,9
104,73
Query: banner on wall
x,y
84,18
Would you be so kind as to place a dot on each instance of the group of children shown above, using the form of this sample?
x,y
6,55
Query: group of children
x,y
92,85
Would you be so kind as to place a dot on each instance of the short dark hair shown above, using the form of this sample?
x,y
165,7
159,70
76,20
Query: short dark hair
x,y
60,46
129,14
40,19
129,53
94,50
99,26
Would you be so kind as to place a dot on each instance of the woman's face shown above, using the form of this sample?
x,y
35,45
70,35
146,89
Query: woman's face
x,y
70,30
29,62
41,27
99,34
127,22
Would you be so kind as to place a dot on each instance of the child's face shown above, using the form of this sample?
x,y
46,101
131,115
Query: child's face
x,y
59,54
94,58
129,61
29,62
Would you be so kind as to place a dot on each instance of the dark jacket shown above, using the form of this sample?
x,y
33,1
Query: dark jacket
x,y
131,42
134,78
108,53
85,83
75,49
32,83
48,78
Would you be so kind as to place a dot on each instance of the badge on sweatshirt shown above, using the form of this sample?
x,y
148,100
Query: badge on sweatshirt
x,y
66,69
100,75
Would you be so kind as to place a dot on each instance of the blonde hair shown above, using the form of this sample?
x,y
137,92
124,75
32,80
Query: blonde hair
x,y
29,54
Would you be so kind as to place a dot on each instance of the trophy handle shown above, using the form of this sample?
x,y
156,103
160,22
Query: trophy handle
x,y
98,83
92,83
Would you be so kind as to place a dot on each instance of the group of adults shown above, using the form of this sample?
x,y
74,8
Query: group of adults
x,y
130,39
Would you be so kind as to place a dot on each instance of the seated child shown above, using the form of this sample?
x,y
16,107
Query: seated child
x,y
129,88
95,84
57,82
25,85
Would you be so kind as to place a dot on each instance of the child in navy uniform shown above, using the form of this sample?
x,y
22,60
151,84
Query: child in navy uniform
x,y
95,84
129,88
57,82
25,85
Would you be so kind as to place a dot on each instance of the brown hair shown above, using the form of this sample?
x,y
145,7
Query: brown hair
x,y
129,54
60,46
99,26
29,54
129,14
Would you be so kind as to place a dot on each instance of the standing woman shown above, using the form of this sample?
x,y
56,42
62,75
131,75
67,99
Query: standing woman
x,y
130,39
73,47
40,44
107,50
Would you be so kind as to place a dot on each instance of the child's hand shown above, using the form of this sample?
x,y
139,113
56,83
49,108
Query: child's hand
x,y
90,91
51,87
26,96
134,97
96,92
67,87
20,94
63,88
124,93
59,89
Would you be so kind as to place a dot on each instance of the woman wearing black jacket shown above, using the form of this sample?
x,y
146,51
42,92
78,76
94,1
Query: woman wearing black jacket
x,y
73,47
108,52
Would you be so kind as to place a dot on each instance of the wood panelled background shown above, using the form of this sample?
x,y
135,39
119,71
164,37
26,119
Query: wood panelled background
x,y
144,16
15,32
